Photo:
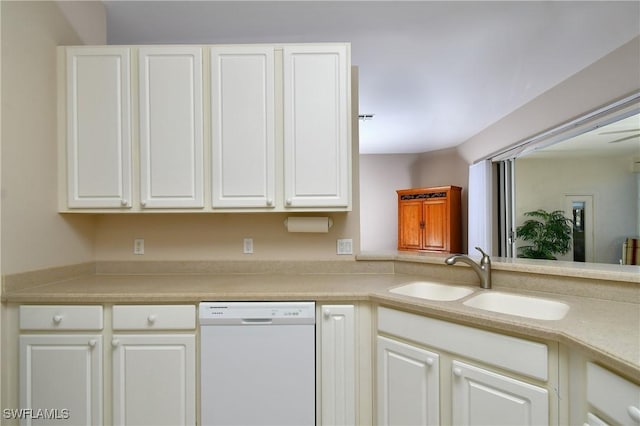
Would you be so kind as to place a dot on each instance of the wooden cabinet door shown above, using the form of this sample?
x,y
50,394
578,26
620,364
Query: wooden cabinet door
x,y
317,126
410,225
436,225
408,381
62,372
154,379
171,141
483,397
243,126
98,139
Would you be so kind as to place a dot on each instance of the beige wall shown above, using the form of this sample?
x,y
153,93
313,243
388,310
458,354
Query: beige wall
x,y
34,236
611,78
380,176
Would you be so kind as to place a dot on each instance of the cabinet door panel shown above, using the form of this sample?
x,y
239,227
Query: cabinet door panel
x,y
243,126
317,126
171,157
408,384
154,379
436,225
482,397
338,365
410,225
59,372
98,128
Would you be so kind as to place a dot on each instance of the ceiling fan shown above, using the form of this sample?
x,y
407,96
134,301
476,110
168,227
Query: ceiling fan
x,y
636,131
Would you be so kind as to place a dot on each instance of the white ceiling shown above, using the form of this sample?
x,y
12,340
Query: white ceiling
x,y
433,73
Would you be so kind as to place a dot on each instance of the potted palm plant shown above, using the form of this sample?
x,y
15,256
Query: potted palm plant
x,y
548,233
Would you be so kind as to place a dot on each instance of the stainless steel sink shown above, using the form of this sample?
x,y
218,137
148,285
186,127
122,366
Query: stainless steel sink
x,y
522,306
433,290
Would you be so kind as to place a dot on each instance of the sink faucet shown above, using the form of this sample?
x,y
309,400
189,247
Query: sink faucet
x,y
483,270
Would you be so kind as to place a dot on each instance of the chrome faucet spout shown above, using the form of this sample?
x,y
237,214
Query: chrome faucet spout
x,y
483,269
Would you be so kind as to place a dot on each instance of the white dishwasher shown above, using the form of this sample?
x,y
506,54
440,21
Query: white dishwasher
x,y
257,363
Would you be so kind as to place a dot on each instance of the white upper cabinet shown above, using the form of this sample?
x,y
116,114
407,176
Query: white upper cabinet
x,y
317,128
243,126
277,117
171,140
98,127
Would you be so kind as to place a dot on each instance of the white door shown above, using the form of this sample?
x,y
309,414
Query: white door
x,y
408,381
98,128
243,126
482,397
338,340
62,376
154,379
171,141
317,126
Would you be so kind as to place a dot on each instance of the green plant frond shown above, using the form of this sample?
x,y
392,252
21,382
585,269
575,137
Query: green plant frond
x,y
549,233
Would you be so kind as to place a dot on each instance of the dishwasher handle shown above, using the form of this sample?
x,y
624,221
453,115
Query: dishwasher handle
x,y
255,321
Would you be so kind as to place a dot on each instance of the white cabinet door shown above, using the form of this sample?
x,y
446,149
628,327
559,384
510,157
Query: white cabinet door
x,y
154,379
317,132
408,381
98,140
338,340
613,397
62,376
243,126
171,141
482,397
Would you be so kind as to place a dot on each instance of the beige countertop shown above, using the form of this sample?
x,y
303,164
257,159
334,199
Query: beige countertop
x,y
608,331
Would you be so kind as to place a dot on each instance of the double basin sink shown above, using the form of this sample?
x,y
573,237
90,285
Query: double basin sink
x,y
488,300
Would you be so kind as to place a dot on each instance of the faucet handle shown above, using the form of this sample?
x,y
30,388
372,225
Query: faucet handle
x,y
485,257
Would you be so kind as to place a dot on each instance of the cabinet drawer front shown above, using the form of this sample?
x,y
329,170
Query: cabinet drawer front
x,y
514,354
60,317
614,396
150,317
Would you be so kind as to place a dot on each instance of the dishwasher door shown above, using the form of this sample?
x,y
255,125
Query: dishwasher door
x,y
257,363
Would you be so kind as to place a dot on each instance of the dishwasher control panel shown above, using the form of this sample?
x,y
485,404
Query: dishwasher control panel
x,y
248,313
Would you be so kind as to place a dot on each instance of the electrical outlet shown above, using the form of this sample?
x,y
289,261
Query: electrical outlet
x,y
345,246
138,246
248,245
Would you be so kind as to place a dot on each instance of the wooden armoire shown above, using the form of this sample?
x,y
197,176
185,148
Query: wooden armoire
x,y
430,219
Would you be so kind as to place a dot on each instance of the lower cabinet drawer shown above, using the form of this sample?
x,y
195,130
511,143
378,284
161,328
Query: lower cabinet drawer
x,y
154,317
613,396
60,317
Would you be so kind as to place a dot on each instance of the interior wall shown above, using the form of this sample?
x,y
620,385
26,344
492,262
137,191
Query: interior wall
x,y
34,235
443,168
611,78
611,181
381,175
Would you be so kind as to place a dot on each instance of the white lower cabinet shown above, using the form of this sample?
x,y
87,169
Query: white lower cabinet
x,y
64,367
61,379
610,396
60,373
408,383
483,397
435,372
154,374
154,379
337,365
